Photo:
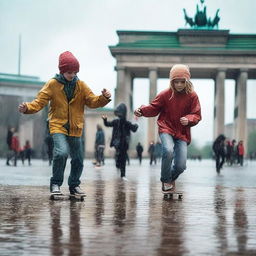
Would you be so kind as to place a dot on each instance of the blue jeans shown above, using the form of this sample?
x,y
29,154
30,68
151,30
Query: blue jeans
x,y
174,157
63,146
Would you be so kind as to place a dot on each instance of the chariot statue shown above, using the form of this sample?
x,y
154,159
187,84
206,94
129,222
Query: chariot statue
x,y
200,20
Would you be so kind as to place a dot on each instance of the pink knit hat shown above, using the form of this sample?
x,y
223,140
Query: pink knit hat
x,y
180,71
68,62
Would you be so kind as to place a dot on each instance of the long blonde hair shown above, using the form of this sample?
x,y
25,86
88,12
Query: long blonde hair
x,y
189,88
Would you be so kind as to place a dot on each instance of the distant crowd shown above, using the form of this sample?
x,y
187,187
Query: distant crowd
x,y
15,150
229,151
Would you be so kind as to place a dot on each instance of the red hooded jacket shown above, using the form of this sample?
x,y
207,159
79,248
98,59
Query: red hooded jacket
x,y
171,107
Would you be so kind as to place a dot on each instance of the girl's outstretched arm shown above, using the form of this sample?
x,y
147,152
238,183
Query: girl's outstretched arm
x,y
153,109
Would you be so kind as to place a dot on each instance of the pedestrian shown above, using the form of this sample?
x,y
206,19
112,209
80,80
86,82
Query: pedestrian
x,y
240,152
228,151
120,136
9,154
49,143
233,152
177,108
127,158
15,146
99,146
139,150
27,152
68,97
151,151
219,151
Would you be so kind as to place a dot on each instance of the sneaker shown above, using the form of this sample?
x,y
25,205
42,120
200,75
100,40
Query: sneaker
x,y
124,178
168,187
55,189
76,191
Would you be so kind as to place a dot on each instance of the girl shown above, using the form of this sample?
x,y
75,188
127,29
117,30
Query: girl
x,y
179,109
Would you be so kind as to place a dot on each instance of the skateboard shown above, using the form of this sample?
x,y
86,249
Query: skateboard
x,y
57,197
174,195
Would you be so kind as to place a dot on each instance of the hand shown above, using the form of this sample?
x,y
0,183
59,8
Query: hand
x,y
184,121
106,93
104,117
137,112
22,107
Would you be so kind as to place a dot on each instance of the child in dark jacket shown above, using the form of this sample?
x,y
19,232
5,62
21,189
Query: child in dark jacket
x,y
120,135
219,151
179,109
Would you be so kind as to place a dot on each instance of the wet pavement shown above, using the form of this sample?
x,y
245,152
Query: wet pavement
x,y
217,215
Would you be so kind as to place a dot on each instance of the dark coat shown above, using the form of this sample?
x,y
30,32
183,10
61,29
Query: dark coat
x,y
219,145
121,128
139,149
9,139
100,137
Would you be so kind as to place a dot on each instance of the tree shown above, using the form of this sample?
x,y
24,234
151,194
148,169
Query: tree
x,y
206,151
251,148
193,150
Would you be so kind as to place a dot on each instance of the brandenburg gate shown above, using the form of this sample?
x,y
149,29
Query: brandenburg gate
x,y
210,54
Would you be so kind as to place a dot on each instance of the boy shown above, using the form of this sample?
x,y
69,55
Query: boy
x,y
67,96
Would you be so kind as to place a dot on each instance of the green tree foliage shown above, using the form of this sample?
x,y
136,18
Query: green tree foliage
x,y
206,151
194,151
251,148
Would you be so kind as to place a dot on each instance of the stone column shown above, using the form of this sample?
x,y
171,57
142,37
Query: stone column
x,y
219,103
152,126
240,112
123,91
120,85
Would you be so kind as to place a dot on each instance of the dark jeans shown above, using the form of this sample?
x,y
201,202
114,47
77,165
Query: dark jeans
x,y
140,157
121,156
63,146
220,159
241,160
100,154
11,154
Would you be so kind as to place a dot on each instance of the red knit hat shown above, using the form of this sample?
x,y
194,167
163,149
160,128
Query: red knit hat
x,y
68,62
179,71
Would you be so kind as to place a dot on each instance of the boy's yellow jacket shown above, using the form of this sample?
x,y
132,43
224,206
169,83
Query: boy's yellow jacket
x,y
61,111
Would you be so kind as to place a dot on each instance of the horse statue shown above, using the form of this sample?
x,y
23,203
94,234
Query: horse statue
x,y
216,19
188,19
200,17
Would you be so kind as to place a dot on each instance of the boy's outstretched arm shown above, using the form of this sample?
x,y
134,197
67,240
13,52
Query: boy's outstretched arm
x,y
38,103
94,101
22,107
106,93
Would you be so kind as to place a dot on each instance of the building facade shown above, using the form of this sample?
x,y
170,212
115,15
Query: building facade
x,y
210,54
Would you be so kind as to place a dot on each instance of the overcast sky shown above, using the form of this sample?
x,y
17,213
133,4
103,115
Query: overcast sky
x,y
88,27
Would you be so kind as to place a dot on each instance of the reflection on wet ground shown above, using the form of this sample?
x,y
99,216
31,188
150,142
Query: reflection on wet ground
x,y
216,216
